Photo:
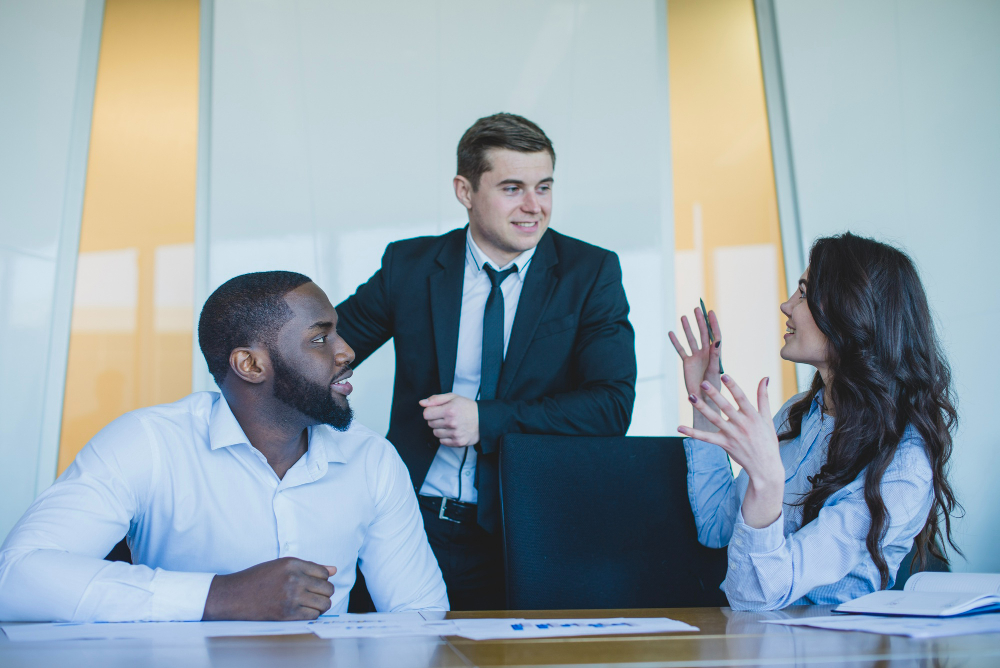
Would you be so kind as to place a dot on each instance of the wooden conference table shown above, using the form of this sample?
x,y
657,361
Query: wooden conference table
x,y
727,638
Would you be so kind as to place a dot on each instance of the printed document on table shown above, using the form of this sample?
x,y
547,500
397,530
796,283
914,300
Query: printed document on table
x,y
375,625
149,630
914,627
497,629
175,630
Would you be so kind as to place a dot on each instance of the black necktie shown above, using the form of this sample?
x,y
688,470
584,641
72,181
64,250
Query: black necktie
x,y
493,334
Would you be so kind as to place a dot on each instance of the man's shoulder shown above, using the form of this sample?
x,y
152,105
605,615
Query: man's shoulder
x,y
147,430
193,409
416,248
573,250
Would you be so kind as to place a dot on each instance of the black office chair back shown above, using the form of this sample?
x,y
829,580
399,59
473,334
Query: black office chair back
x,y
602,523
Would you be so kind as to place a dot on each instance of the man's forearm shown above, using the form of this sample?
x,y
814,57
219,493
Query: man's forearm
x,y
54,585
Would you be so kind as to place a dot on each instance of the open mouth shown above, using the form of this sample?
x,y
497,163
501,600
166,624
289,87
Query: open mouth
x,y
789,331
528,226
340,384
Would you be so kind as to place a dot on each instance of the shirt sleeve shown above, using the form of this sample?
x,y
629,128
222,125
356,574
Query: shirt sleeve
x,y
51,564
714,494
400,569
712,491
768,570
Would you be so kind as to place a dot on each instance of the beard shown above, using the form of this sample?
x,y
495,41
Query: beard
x,y
311,399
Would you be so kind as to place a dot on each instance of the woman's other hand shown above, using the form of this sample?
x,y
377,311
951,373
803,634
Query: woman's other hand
x,y
748,435
702,364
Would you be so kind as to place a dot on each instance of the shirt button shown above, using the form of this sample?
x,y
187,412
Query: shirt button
x,y
468,473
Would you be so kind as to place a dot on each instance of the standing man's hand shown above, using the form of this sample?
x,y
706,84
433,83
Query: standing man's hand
x,y
280,590
454,419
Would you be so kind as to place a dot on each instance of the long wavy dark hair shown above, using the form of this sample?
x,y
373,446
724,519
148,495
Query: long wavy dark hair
x,y
887,372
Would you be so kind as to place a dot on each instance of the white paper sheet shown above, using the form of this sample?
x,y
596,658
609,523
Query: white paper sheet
x,y
375,625
496,629
968,583
381,626
174,630
919,603
149,630
914,627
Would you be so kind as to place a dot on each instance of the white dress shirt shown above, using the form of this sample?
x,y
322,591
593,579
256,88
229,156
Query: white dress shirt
x,y
196,499
452,473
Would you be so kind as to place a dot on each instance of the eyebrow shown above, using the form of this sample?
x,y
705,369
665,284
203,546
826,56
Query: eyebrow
x,y
518,182
325,324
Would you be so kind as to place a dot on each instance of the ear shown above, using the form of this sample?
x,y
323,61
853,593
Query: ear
x,y
463,191
251,364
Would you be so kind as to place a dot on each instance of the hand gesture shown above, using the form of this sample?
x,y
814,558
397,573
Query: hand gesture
x,y
280,590
748,435
703,363
453,418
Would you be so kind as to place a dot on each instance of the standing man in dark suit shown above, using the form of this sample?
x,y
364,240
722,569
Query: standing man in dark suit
x,y
501,327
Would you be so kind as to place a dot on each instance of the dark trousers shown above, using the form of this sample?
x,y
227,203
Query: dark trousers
x,y
471,561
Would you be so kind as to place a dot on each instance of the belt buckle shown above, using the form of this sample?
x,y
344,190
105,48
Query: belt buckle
x,y
441,515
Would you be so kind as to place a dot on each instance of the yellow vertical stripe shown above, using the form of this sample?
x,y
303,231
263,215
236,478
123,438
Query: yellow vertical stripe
x,y
131,337
723,173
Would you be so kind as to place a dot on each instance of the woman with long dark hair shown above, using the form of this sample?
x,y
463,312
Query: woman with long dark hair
x,y
848,476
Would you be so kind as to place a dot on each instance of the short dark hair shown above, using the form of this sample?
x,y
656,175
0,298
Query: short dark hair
x,y
243,311
509,131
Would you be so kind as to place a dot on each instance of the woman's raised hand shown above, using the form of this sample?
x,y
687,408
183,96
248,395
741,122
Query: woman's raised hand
x,y
747,434
702,364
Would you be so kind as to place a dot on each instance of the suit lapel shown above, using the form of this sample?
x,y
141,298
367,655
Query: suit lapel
x,y
446,305
539,283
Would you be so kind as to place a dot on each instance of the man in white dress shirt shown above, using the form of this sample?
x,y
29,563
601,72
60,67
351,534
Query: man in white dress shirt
x,y
256,503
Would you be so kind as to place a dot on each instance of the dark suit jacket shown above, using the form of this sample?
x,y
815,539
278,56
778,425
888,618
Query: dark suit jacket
x,y
570,363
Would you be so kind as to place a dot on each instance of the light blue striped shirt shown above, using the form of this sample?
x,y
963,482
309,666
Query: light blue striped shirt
x,y
825,561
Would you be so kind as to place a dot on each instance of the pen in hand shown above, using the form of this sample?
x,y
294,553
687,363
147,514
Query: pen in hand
x,y
711,334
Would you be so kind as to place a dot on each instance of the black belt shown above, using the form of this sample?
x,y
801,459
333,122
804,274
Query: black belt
x,y
450,509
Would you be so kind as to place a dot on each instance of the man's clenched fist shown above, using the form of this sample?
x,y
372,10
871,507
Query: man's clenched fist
x,y
280,590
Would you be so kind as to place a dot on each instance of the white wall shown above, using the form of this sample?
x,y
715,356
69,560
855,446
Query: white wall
x,y
894,118
48,56
334,127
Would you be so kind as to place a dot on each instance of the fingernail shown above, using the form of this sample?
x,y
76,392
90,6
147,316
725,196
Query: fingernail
x,y
767,381
718,343
693,399
725,378
705,385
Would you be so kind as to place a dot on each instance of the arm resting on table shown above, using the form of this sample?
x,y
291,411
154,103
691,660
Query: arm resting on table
x,y
51,564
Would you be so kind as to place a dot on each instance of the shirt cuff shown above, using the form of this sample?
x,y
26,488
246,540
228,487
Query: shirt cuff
x,y
179,597
702,456
758,541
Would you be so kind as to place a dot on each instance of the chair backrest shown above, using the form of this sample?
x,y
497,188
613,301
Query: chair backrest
x,y
594,522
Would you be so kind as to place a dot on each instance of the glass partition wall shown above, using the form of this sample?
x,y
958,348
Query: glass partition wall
x,y
305,105
726,227
130,340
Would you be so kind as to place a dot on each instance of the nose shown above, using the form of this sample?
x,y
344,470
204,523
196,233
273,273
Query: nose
x,y
530,203
344,355
786,307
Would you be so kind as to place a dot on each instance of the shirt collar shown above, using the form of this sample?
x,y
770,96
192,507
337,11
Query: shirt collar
x,y
817,406
475,255
224,430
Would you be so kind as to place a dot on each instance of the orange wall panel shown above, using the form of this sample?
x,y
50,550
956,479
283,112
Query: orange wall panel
x,y
132,316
